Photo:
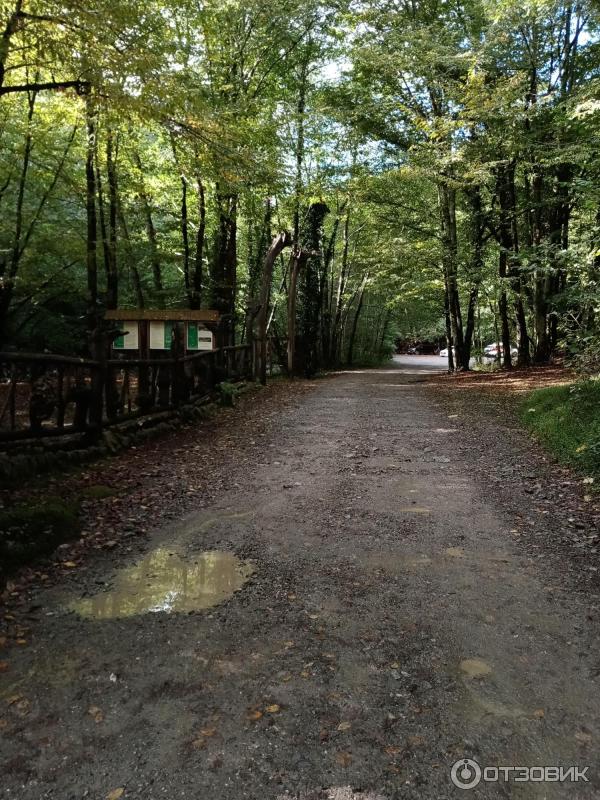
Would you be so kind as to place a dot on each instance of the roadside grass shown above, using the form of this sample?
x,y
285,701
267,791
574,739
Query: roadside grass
x,y
566,420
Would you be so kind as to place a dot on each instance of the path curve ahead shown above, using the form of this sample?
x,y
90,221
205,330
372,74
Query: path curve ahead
x,y
394,624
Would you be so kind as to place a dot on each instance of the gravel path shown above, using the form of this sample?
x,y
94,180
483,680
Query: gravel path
x,y
397,619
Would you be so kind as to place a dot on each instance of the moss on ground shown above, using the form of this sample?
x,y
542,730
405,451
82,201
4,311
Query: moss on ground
x,y
30,531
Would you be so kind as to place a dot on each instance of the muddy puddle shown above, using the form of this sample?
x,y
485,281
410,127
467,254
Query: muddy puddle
x,y
164,581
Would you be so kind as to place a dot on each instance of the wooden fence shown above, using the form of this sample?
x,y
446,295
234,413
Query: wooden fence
x,y
43,394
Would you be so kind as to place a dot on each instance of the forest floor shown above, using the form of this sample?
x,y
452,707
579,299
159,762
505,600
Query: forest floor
x,y
416,582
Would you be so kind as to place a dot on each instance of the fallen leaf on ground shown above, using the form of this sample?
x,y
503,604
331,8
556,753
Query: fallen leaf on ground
x,y
343,759
115,794
393,750
344,726
538,713
583,737
3,666
254,715
70,565
416,741
199,743
96,713
274,708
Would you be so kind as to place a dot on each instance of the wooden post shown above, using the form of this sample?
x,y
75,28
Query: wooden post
x,y
144,349
60,412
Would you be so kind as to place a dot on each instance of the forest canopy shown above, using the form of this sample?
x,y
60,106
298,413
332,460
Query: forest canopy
x,y
435,165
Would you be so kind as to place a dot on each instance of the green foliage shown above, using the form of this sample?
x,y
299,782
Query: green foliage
x,y
566,419
228,393
217,124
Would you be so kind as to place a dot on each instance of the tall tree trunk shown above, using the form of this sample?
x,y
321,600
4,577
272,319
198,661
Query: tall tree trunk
x,y
151,232
298,260
509,252
336,328
299,149
9,267
361,297
197,274
92,221
477,228
224,275
311,307
184,224
108,243
112,151
447,207
255,263
449,339
135,273
277,246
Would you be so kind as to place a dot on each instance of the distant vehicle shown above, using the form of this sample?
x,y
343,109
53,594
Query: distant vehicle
x,y
413,351
495,350
444,352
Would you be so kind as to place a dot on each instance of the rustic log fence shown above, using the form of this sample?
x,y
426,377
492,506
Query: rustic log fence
x,y
44,394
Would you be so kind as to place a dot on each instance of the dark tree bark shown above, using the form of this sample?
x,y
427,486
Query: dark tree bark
x,y
312,240
135,273
447,207
449,339
113,190
224,272
299,259
92,221
10,266
255,266
197,274
151,232
352,340
509,254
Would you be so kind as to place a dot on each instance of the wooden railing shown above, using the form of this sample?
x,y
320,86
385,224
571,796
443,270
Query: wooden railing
x,y
43,394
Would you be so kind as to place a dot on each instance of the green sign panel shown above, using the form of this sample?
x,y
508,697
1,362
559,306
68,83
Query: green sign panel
x,y
119,342
169,334
192,336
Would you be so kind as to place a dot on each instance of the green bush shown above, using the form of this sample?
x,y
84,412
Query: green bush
x,y
228,393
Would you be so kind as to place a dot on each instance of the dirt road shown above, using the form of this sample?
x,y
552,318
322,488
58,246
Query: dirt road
x,y
380,614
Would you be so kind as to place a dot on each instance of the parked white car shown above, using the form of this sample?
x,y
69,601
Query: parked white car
x,y
495,350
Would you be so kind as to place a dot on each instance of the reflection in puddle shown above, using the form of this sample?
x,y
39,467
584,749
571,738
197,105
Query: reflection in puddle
x,y
165,581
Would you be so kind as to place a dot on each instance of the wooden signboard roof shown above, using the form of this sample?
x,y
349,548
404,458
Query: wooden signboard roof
x,y
158,314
